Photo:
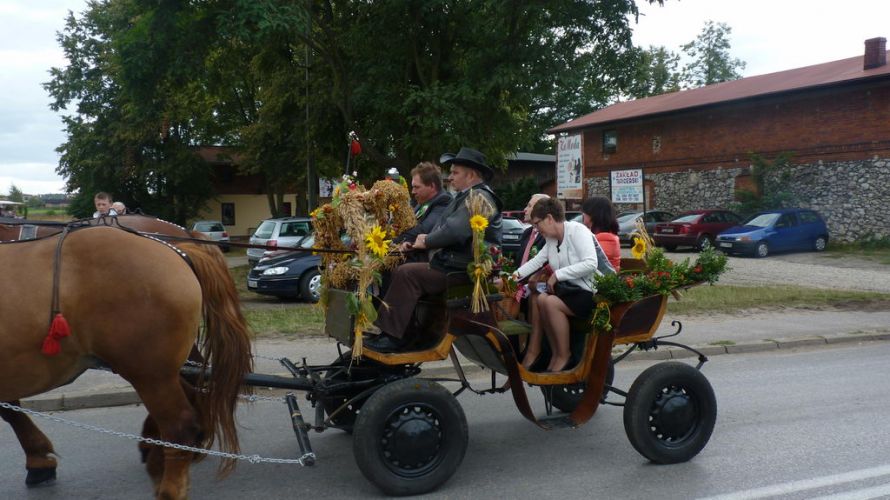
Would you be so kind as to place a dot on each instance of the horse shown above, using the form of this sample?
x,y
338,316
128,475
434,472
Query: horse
x,y
134,305
135,222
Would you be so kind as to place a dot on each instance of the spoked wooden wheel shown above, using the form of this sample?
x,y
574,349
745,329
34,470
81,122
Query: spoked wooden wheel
x,y
670,412
410,437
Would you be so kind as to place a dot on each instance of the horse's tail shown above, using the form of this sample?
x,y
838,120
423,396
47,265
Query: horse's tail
x,y
226,345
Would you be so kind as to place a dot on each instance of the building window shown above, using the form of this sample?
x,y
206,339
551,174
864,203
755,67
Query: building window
x,y
610,141
228,214
656,144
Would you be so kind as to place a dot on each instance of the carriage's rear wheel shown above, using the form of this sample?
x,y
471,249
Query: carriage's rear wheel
x,y
410,437
670,412
567,397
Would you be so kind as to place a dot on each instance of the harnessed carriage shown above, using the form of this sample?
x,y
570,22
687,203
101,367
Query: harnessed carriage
x,y
410,433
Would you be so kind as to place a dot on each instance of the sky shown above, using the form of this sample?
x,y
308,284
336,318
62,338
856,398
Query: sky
x,y
769,35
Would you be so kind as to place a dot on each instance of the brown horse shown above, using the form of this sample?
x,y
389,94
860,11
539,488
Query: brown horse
x,y
135,305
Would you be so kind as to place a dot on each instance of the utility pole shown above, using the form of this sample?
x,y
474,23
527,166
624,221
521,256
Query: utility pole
x,y
311,173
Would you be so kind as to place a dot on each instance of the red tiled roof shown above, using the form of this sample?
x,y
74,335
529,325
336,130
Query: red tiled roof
x,y
819,75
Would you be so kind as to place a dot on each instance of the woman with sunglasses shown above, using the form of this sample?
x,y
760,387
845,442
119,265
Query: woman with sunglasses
x,y
570,252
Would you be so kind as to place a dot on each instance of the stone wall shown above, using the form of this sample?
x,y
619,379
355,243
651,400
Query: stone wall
x,y
852,196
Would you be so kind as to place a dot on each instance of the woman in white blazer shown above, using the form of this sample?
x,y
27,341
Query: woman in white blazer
x,y
570,251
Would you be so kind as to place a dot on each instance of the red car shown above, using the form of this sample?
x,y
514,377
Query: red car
x,y
696,228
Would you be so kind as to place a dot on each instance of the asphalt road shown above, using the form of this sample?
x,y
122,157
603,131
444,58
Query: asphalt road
x,y
791,424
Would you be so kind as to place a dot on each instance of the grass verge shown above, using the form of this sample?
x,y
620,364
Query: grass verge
x,y
728,299
294,320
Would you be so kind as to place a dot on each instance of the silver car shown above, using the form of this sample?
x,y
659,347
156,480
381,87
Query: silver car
x,y
627,223
214,230
281,232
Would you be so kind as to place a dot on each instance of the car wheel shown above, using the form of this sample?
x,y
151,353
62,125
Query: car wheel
x,y
310,285
704,242
761,250
820,243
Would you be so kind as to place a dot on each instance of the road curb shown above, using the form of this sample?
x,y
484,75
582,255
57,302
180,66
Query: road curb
x,y
124,395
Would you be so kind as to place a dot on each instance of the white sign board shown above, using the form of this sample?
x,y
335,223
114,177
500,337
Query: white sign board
x,y
326,187
627,186
569,171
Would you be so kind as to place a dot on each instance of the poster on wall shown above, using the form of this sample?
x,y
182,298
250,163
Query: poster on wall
x,y
627,186
326,187
569,171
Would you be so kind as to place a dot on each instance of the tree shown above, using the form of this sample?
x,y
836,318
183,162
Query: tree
x,y
15,194
280,81
656,72
711,60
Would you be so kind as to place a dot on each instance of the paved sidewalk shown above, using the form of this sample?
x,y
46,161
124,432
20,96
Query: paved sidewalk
x,y
713,335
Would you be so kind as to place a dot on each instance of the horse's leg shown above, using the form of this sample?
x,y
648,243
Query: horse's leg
x,y
176,419
152,455
40,460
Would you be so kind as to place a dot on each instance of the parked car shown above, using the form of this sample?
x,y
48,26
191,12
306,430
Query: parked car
x,y
627,223
214,230
289,275
696,228
512,229
776,231
516,214
279,232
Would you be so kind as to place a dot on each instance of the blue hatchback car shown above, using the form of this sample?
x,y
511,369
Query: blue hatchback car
x,y
781,230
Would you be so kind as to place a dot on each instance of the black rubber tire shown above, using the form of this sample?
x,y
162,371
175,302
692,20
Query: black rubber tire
x,y
704,242
670,248
820,244
761,250
310,286
410,437
566,398
670,412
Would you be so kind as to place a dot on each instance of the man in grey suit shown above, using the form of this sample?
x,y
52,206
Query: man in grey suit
x,y
450,244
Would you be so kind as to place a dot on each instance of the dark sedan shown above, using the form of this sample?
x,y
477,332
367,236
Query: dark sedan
x,y
510,235
697,229
291,275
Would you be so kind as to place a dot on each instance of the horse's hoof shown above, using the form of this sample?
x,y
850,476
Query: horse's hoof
x,y
40,475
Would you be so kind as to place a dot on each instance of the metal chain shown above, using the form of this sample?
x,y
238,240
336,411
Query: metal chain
x,y
254,459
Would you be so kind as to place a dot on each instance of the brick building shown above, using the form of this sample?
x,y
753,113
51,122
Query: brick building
x,y
694,146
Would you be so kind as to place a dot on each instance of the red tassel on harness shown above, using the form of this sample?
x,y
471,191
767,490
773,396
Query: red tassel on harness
x,y
58,330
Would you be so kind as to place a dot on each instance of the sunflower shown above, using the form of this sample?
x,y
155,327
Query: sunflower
x,y
377,242
639,248
478,223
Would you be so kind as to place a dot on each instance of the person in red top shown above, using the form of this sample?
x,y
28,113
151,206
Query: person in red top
x,y
599,216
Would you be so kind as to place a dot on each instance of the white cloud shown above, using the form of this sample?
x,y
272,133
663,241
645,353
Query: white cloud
x,y
770,35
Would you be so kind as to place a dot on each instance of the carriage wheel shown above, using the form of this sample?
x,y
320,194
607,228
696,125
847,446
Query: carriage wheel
x,y
670,412
567,397
410,437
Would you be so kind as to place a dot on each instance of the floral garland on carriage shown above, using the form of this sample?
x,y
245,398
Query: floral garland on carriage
x,y
370,218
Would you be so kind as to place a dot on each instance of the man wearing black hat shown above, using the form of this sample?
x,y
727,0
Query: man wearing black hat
x,y
450,244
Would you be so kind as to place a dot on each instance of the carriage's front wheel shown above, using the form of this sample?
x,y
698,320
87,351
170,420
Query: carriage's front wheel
x,y
410,437
670,412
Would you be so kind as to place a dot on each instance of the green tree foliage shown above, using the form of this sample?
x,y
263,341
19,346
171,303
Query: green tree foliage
x,y
516,194
281,81
656,72
15,194
772,186
711,60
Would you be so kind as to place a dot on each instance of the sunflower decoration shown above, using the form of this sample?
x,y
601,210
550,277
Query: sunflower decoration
x,y
638,251
365,222
480,209
377,243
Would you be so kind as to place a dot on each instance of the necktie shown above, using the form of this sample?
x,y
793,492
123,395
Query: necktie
x,y
528,247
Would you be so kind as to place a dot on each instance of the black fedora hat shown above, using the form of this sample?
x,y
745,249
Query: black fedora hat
x,y
469,157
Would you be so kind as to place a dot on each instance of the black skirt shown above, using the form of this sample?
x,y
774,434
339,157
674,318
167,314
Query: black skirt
x,y
578,300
